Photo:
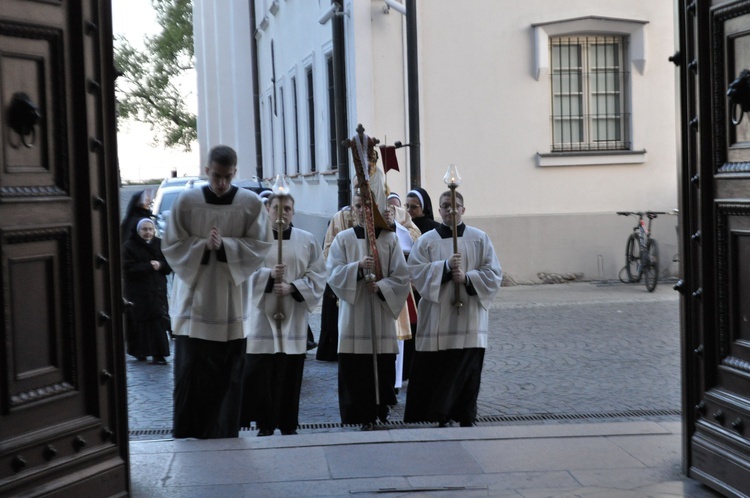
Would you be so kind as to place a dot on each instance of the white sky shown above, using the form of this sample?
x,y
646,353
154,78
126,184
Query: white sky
x,y
139,159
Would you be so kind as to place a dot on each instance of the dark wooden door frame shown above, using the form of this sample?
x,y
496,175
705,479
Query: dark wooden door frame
x,y
63,396
715,223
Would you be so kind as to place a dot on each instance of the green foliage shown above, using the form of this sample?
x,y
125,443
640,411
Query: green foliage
x,y
151,89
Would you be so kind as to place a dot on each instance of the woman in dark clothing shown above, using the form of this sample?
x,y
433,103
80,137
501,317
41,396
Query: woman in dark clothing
x,y
145,273
419,207
138,208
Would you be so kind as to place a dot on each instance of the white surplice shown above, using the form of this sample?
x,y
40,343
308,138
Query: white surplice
x,y
441,326
211,298
362,314
305,269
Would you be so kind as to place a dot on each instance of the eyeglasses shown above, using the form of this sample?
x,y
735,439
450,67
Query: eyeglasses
x,y
448,206
412,206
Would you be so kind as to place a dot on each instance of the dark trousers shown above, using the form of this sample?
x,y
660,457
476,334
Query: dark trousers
x,y
357,387
207,387
444,385
271,391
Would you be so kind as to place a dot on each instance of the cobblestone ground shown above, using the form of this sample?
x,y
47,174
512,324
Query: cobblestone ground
x,y
558,350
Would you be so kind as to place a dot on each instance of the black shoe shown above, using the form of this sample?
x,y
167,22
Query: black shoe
x,y
265,432
159,361
467,424
311,345
141,358
289,433
383,413
368,426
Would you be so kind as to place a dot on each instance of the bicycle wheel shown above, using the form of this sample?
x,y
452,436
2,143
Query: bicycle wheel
x,y
651,264
633,258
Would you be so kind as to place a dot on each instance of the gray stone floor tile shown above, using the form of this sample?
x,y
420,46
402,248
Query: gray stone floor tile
x,y
146,447
582,492
679,488
430,458
506,481
549,454
627,478
674,426
213,491
652,450
323,488
147,474
545,492
239,467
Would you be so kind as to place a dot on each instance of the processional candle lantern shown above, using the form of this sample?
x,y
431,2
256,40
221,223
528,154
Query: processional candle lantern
x,y
453,180
280,190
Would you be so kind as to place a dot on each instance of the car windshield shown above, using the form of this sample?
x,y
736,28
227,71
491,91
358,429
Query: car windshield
x,y
167,201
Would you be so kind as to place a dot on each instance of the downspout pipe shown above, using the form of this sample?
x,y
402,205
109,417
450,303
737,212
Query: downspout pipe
x,y
397,6
256,94
413,92
339,99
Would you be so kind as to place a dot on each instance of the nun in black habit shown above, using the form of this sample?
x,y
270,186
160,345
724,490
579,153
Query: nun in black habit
x,y
145,274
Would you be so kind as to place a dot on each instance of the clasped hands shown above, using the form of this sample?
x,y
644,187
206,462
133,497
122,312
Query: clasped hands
x,y
459,276
213,242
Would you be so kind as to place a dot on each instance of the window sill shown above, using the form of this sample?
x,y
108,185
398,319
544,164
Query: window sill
x,y
311,178
330,176
595,158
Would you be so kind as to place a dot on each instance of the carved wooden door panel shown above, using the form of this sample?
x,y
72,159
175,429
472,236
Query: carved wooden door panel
x,y
63,410
715,241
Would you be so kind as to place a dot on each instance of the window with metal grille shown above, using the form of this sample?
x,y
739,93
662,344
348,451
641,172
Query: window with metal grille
x,y
590,108
310,117
283,131
332,149
295,117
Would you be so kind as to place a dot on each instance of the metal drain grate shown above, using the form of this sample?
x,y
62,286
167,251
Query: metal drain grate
x,y
485,420
540,417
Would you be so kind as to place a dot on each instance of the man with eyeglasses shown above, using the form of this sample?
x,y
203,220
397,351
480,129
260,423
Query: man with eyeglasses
x,y
451,340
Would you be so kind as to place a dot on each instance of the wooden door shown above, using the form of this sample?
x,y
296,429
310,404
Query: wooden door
x,y
63,410
715,242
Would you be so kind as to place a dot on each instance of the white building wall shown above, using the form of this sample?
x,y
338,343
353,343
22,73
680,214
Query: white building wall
x,y
225,92
389,85
482,108
299,42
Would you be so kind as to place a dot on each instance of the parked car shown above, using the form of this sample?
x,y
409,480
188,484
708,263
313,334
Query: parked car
x,y
254,184
170,188
178,181
165,197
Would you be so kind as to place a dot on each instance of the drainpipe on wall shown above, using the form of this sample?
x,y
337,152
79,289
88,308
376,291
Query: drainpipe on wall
x,y
339,99
256,95
395,5
412,75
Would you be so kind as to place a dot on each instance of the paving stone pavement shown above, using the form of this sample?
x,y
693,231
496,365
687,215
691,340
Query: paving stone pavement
x,y
556,352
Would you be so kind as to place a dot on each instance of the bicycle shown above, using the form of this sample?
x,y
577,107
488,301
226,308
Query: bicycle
x,y
641,251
